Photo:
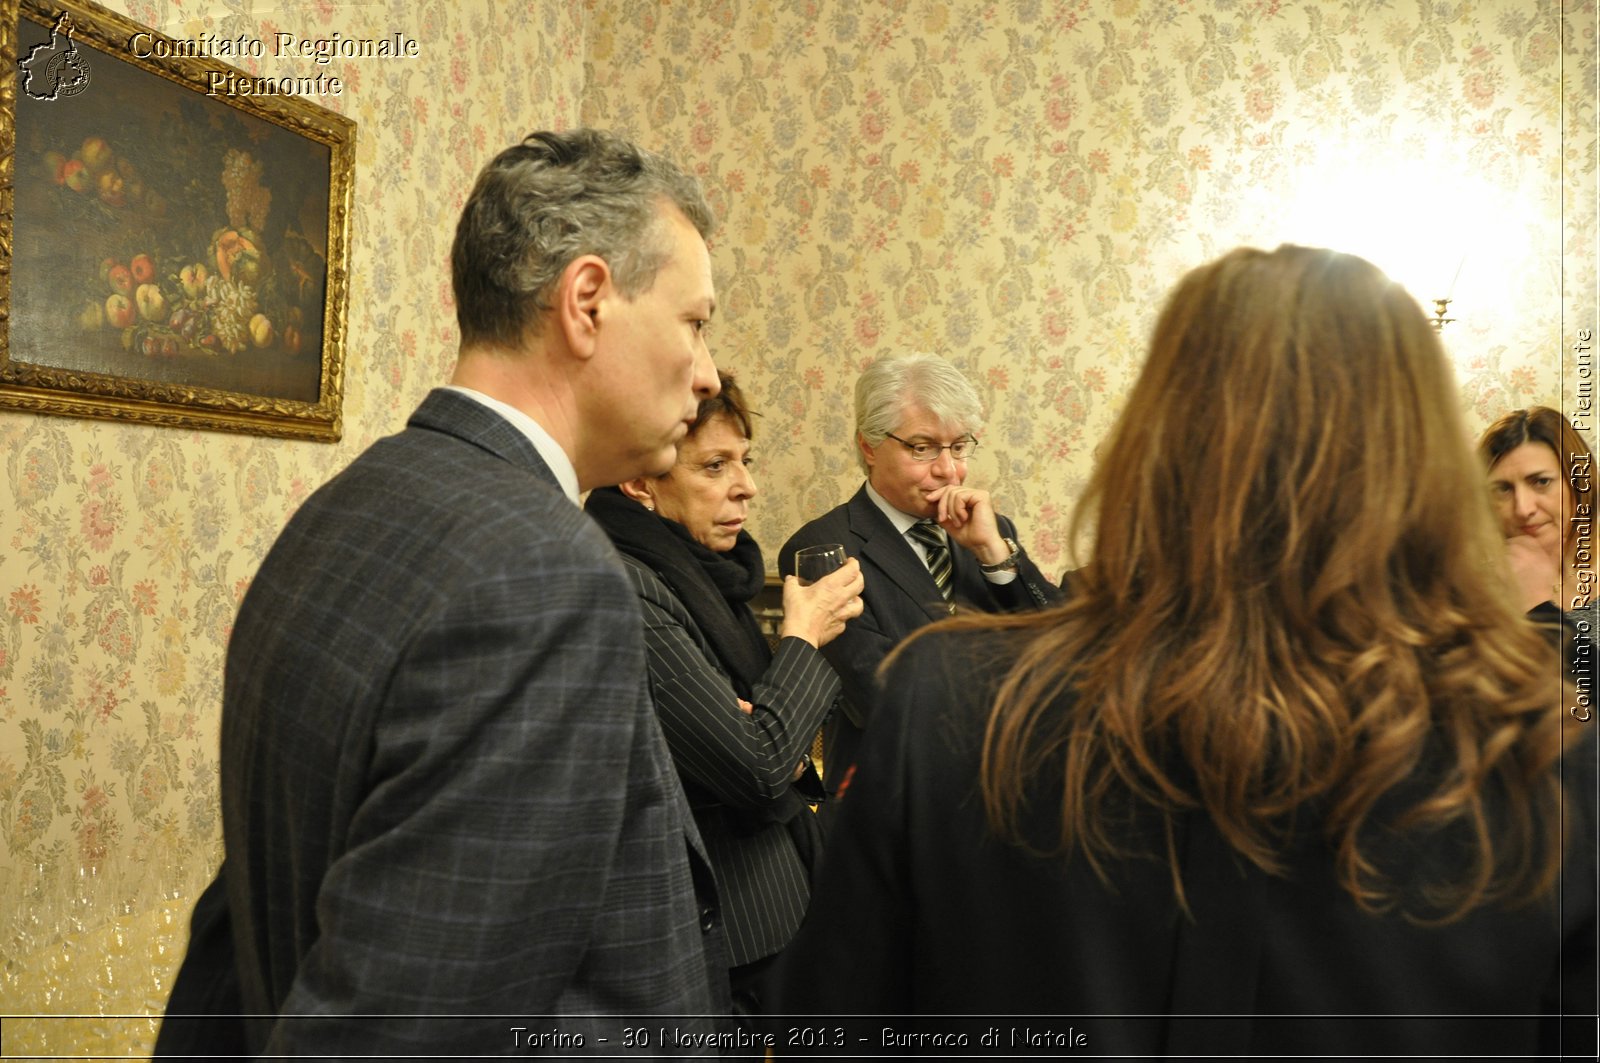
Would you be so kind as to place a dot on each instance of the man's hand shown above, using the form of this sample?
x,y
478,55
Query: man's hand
x,y
967,516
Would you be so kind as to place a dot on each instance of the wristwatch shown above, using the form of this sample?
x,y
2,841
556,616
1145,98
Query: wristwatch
x,y
1010,560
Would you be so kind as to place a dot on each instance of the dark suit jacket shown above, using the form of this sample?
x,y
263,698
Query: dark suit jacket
x,y
900,597
940,918
737,767
444,789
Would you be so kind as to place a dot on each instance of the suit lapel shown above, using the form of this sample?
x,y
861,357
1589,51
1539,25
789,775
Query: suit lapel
x,y
886,548
472,422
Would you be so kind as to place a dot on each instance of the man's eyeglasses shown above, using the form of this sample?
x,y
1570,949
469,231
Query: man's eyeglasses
x,y
960,450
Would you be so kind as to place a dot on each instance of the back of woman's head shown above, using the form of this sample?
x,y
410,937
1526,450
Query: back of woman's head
x,y
1288,605
1293,434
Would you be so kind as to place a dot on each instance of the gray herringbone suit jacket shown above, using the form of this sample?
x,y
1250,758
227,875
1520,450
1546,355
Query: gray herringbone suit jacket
x,y
444,789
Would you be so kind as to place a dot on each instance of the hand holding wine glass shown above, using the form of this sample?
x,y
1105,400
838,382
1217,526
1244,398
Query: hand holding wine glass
x,y
822,596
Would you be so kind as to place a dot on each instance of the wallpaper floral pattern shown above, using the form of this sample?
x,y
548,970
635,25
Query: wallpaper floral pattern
x,y
1013,185
124,550
1017,185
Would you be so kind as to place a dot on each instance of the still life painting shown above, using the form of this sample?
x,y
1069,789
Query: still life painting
x,y
176,256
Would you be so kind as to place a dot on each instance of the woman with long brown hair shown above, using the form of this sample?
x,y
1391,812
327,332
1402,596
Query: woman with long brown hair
x,y
1291,755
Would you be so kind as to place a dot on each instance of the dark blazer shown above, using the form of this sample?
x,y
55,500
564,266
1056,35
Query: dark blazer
x,y
900,597
737,767
1574,632
444,789
939,918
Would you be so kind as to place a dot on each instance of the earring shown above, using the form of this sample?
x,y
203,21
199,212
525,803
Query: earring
x,y
651,506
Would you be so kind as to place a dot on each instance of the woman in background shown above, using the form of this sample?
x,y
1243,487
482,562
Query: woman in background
x,y
1284,776
738,718
1541,483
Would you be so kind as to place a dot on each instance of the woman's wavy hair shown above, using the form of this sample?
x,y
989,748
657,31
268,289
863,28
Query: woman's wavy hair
x,y
1541,424
727,402
1288,610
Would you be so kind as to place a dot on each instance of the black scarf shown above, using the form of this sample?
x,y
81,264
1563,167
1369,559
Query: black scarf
x,y
715,588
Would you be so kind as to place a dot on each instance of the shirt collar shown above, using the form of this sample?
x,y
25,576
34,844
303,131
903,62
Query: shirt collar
x,y
902,521
554,457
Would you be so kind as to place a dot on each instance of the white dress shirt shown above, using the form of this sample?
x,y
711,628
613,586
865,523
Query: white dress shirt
x,y
548,448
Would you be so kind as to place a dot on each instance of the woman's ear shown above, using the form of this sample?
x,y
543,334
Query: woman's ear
x,y
638,489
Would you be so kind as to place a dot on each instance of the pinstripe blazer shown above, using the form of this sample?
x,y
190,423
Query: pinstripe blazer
x,y
444,790
900,597
737,766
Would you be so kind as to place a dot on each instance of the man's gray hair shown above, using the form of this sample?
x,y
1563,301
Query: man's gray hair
x,y
892,385
540,204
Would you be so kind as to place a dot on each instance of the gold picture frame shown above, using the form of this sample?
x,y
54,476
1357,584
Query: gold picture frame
x,y
174,243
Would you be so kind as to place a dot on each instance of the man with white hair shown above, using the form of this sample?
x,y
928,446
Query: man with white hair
x,y
927,543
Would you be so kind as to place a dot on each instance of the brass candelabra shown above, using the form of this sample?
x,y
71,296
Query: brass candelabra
x,y
1441,308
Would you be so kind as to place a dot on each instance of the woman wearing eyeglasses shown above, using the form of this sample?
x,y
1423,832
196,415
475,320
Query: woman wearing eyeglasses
x,y
929,544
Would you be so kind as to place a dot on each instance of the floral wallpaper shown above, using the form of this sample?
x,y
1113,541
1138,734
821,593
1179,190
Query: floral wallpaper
x,y
1016,186
1012,185
124,549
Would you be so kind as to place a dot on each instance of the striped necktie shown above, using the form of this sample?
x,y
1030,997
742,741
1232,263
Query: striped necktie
x,y
931,536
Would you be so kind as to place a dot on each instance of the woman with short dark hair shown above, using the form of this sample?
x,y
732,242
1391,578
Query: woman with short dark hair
x,y
738,717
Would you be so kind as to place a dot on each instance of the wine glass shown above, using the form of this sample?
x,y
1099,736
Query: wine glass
x,y
811,563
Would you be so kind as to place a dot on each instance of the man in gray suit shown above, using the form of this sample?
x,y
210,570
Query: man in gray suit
x,y
451,822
